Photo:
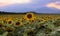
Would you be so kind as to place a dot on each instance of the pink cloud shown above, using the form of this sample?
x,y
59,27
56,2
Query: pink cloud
x,y
54,5
3,4
8,2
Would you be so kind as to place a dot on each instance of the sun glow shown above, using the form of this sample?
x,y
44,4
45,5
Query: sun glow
x,y
54,5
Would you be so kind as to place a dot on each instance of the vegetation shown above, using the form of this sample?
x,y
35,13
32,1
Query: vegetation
x,y
29,24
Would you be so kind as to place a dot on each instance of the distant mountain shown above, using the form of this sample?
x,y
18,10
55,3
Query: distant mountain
x,y
47,10
2,12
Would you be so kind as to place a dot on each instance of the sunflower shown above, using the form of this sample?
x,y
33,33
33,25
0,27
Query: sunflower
x,y
28,22
10,30
0,18
48,30
46,18
29,16
18,23
41,20
9,21
4,21
20,20
1,25
30,32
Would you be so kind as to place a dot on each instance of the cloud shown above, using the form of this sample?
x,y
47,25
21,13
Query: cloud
x,y
54,5
8,2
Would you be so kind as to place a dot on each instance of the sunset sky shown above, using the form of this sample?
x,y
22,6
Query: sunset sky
x,y
39,6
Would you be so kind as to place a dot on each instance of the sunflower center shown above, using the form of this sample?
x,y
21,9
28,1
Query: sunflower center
x,y
9,30
31,33
17,23
9,22
0,25
29,16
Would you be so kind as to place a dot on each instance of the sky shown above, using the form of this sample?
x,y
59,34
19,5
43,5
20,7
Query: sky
x,y
39,6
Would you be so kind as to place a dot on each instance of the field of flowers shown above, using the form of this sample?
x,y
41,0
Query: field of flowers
x,y
30,24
